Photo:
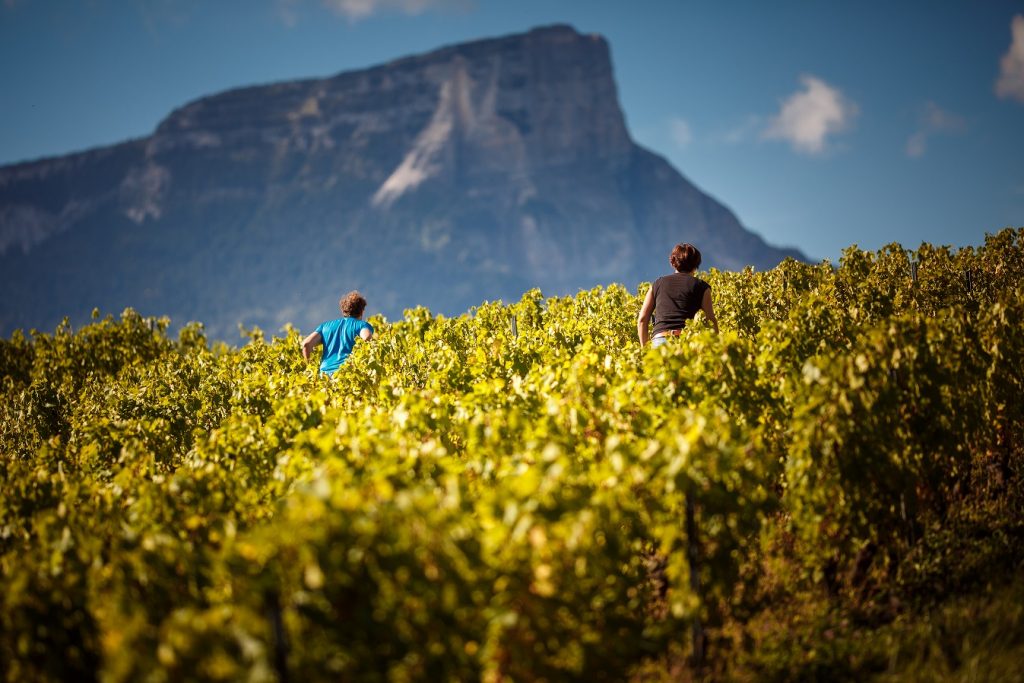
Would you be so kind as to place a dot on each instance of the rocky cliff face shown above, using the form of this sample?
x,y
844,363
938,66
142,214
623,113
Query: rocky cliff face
x,y
471,173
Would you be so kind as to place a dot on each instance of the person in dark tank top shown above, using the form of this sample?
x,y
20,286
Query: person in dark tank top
x,y
675,298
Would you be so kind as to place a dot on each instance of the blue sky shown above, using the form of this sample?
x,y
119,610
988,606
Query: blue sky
x,y
821,124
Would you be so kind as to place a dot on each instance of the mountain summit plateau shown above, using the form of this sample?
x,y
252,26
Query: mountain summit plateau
x,y
471,173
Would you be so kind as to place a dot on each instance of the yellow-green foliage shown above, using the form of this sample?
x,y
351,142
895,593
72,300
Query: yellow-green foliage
x,y
497,496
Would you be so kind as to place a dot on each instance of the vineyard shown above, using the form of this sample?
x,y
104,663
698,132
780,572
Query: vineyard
x,y
832,488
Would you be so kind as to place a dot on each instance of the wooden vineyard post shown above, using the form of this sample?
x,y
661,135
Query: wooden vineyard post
x,y
273,605
913,265
692,557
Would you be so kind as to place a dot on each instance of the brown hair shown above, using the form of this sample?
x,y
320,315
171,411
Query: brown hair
x,y
352,304
685,258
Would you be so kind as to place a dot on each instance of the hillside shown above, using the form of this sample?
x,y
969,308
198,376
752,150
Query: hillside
x,y
830,489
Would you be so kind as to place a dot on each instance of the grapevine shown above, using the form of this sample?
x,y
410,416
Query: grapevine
x,y
500,495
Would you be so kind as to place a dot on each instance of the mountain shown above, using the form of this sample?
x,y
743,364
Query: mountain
x,y
471,173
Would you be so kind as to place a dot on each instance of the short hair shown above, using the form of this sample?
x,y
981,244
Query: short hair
x,y
685,257
352,304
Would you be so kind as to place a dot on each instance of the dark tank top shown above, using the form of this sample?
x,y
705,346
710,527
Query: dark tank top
x,y
677,298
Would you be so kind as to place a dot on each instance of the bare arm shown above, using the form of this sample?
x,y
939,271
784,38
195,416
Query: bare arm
x,y
309,343
365,334
708,309
644,317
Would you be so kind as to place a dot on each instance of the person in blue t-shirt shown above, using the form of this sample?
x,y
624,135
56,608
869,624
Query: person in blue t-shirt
x,y
339,336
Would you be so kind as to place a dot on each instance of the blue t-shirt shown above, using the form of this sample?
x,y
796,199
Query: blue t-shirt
x,y
339,337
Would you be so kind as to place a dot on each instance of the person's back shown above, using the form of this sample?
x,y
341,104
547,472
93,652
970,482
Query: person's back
x,y
339,335
339,338
677,298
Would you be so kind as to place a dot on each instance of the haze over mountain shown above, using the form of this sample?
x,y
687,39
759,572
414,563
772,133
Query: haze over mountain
x,y
471,173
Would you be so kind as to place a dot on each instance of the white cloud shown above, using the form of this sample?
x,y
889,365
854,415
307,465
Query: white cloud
x,y
287,12
807,118
917,144
681,132
354,10
1011,67
742,131
934,120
